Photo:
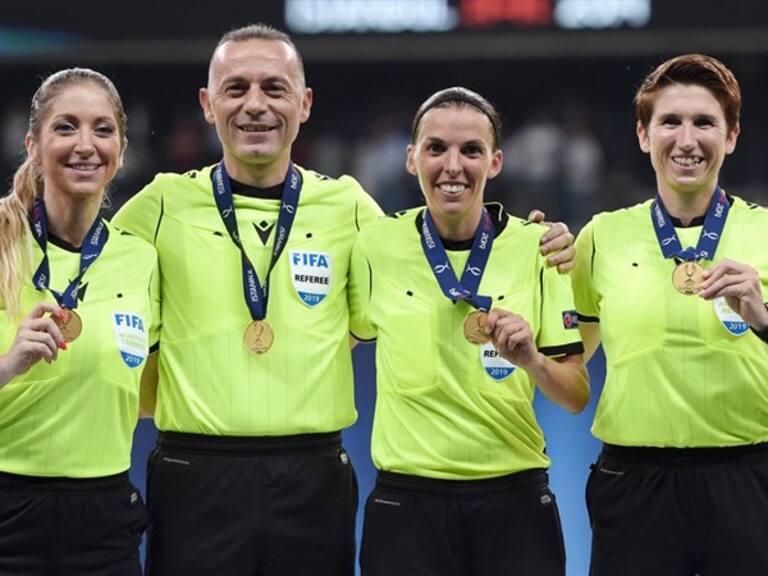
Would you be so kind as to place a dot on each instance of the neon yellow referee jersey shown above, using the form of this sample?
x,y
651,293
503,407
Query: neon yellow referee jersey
x,y
75,417
209,382
446,408
681,371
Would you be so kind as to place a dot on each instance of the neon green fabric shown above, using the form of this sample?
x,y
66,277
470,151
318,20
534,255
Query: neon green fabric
x,y
676,376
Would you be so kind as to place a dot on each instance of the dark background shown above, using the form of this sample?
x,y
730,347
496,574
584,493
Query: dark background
x,y
563,85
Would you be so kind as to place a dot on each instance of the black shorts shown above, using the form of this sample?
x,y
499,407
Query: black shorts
x,y
679,511
70,527
506,526
236,506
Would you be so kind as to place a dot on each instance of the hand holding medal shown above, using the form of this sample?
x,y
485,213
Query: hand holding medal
x,y
37,338
512,337
740,285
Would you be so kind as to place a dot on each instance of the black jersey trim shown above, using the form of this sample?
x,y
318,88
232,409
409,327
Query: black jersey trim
x,y
588,319
362,340
271,193
155,347
563,350
762,334
159,219
357,220
697,221
63,244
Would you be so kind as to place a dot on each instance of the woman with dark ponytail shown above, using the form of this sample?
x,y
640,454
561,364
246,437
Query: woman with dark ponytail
x,y
77,318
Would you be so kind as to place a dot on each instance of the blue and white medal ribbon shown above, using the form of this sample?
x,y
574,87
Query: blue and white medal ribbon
x,y
93,244
687,276
466,288
258,334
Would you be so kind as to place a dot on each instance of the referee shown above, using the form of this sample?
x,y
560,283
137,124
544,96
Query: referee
x,y
249,475
469,321
77,321
675,289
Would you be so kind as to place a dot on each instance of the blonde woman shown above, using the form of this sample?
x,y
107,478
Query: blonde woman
x,y
76,323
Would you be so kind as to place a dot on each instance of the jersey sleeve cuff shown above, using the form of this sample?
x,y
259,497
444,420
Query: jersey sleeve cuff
x,y
587,319
563,350
362,340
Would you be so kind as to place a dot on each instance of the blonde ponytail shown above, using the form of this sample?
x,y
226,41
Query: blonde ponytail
x,y
15,237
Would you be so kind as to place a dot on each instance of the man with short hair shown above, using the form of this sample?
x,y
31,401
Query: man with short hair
x,y
249,476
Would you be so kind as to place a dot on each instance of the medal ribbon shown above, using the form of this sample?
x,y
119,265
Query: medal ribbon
x,y
714,222
466,288
256,295
93,244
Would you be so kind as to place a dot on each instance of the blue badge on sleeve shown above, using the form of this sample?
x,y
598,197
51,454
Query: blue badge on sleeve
x,y
131,337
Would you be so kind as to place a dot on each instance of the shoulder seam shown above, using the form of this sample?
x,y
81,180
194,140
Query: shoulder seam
x,y
159,218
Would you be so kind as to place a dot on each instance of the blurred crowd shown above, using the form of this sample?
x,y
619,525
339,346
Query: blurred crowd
x,y
571,154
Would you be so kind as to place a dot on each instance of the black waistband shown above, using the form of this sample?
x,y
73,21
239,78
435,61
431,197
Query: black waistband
x,y
248,445
59,484
686,456
460,488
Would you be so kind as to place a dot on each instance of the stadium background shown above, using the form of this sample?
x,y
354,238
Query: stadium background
x,y
561,72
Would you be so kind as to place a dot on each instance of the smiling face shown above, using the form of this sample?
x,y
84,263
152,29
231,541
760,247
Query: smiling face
x,y
78,147
453,156
257,100
687,138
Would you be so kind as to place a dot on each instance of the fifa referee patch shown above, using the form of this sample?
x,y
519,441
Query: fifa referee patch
x,y
131,338
570,320
311,274
495,366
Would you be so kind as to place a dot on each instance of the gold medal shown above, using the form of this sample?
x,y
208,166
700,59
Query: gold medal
x,y
71,326
258,337
687,277
474,328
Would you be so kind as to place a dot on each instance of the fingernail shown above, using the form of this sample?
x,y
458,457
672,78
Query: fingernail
x,y
63,344
62,314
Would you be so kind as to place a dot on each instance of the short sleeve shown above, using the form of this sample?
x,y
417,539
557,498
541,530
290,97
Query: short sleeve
x,y
359,291
366,210
154,298
584,295
141,215
558,333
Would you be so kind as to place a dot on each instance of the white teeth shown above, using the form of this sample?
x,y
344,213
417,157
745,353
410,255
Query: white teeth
x,y
86,167
687,161
453,188
255,128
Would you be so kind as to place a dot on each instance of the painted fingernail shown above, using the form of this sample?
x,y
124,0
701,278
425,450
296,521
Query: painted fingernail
x,y
63,344
62,314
